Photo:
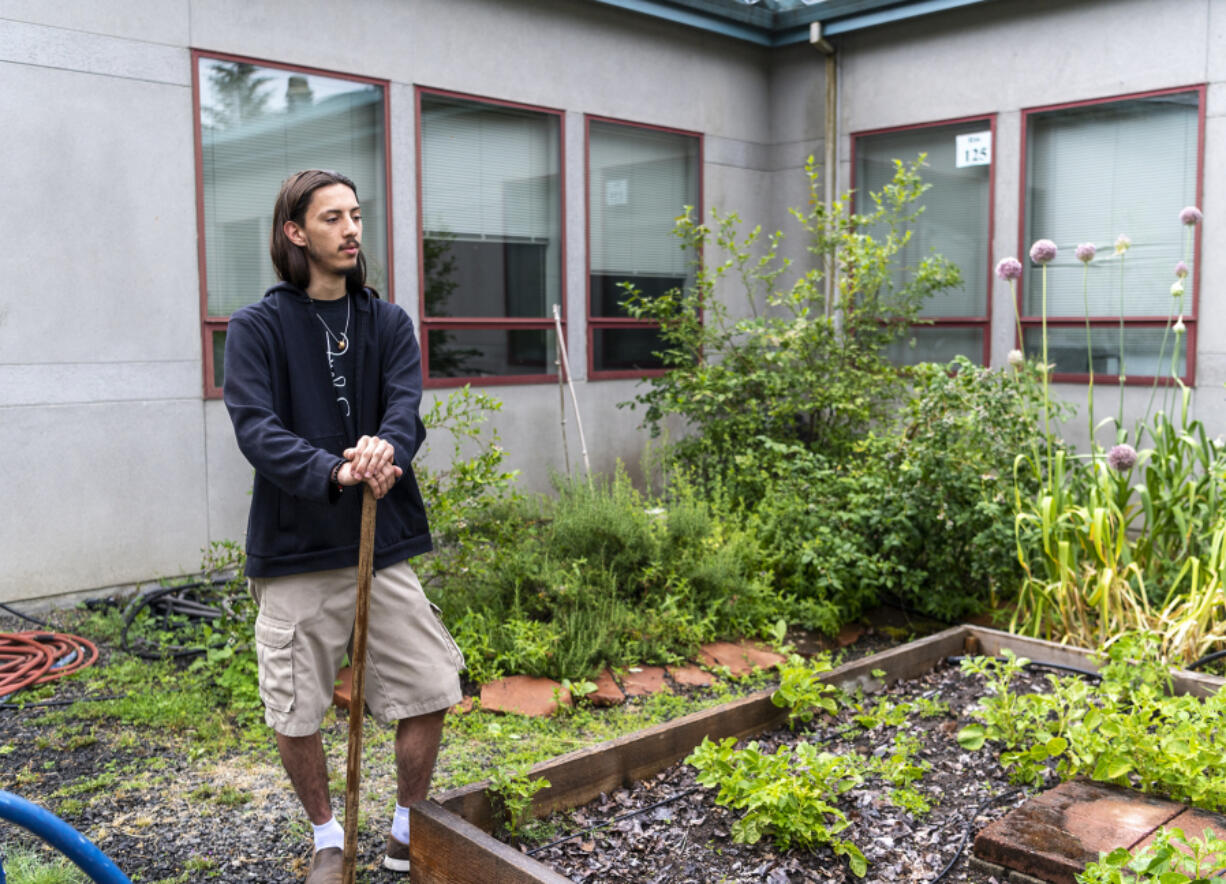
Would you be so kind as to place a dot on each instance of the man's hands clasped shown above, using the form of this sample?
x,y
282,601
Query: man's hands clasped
x,y
371,461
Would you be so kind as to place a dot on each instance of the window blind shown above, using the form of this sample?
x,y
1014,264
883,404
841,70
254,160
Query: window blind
x,y
1093,173
488,172
639,181
954,221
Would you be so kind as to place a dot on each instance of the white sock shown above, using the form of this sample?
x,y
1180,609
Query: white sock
x,y
400,824
330,834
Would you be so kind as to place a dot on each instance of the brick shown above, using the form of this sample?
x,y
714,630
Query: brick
x,y
740,658
1053,835
525,695
639,680
690,676
1193,822
607,692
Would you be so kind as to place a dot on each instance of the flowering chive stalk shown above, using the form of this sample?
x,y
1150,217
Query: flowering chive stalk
x,y
1042,253
1085,254
1010,270
1122,245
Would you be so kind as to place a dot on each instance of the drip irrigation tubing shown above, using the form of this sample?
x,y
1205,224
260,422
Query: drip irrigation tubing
x,y
966,832
1038,664
1208,658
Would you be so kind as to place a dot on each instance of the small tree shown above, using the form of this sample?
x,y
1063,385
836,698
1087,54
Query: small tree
x,y
790,371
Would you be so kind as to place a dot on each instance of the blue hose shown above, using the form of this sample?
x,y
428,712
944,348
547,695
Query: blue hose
x,y
62,837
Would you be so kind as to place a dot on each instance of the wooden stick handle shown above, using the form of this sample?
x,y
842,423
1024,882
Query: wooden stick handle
x,y
357,698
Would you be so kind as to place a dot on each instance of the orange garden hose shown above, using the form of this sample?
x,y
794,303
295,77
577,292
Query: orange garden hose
x,y
33,658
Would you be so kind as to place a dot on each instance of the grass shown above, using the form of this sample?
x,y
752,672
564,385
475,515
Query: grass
x,y
23,866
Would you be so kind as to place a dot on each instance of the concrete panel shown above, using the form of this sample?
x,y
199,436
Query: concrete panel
x,y
547,52
102,264
798,94
1007,170
404,200
77,50
1019,53
157,21
575,271
229,476
1211,331
124,501
741,154
77,382
1215,38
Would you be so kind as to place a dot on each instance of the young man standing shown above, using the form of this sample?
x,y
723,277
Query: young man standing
x,y
323,383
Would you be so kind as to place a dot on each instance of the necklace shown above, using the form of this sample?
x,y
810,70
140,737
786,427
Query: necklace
x,y
341,340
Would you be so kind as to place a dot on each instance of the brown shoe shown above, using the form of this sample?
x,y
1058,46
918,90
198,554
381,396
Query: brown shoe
x,y
327,866
397,858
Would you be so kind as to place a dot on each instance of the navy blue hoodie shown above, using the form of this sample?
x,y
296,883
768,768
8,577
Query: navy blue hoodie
x,y
288,424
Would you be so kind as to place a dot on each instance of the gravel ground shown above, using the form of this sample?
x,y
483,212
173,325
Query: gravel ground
x,y
165,812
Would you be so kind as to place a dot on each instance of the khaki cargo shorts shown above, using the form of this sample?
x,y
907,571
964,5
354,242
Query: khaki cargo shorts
x,y
303,631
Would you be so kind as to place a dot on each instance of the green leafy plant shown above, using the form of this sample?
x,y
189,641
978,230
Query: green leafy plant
x,y
1171,858
511,790
789,795
803,692
1129,731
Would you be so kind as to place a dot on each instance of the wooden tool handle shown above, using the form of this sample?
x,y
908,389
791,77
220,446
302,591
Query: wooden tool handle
x,y
357,698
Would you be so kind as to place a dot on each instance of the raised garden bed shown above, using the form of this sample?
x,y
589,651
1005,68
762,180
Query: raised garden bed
x,y
451,840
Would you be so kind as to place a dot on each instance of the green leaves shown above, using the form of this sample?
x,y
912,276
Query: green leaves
x,y
1170,858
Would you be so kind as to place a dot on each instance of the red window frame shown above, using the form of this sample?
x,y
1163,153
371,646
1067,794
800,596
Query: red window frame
x,y
597,323
983,321
1113,322
505,323
209,324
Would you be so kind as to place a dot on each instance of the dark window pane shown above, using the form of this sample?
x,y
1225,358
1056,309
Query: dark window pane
x,y
486,278
608,295
219,358
488,352
626,349
1146,351
926,343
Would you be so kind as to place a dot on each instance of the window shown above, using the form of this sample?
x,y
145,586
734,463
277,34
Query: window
x,y
491,239
639,180
956,222
258,124
1094,171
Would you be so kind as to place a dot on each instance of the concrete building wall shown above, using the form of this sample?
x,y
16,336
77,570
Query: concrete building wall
x,y
121,470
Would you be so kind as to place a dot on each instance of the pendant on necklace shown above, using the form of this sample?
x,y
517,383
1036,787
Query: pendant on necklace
x,y
341,344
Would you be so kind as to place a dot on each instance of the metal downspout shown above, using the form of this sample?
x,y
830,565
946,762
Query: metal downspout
x,y
830,143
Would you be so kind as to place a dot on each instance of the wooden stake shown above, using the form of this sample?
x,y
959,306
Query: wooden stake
x,y
357,698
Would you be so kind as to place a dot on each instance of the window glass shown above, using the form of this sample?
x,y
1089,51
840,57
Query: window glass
x,y
954,221
259,125
937,343
491,210
1093,173
639,181
489,352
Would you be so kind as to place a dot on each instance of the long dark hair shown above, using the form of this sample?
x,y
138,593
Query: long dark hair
x,y
290,260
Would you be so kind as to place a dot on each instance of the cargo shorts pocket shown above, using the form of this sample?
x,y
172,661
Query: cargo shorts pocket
x,y
274,650
453,649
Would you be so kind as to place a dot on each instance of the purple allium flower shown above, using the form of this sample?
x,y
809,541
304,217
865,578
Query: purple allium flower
x,y
1042,251
1009,268
1122,244
1181,270
1122,457
1179,328
1017,358
1085,252
1191,215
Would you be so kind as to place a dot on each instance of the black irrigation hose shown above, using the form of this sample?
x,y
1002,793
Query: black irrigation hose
x,y
966,832
616,819
62,702
1038,664
168,601
1208,658
26,617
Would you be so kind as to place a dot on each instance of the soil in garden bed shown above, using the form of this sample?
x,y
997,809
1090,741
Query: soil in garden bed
x,y
688,840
